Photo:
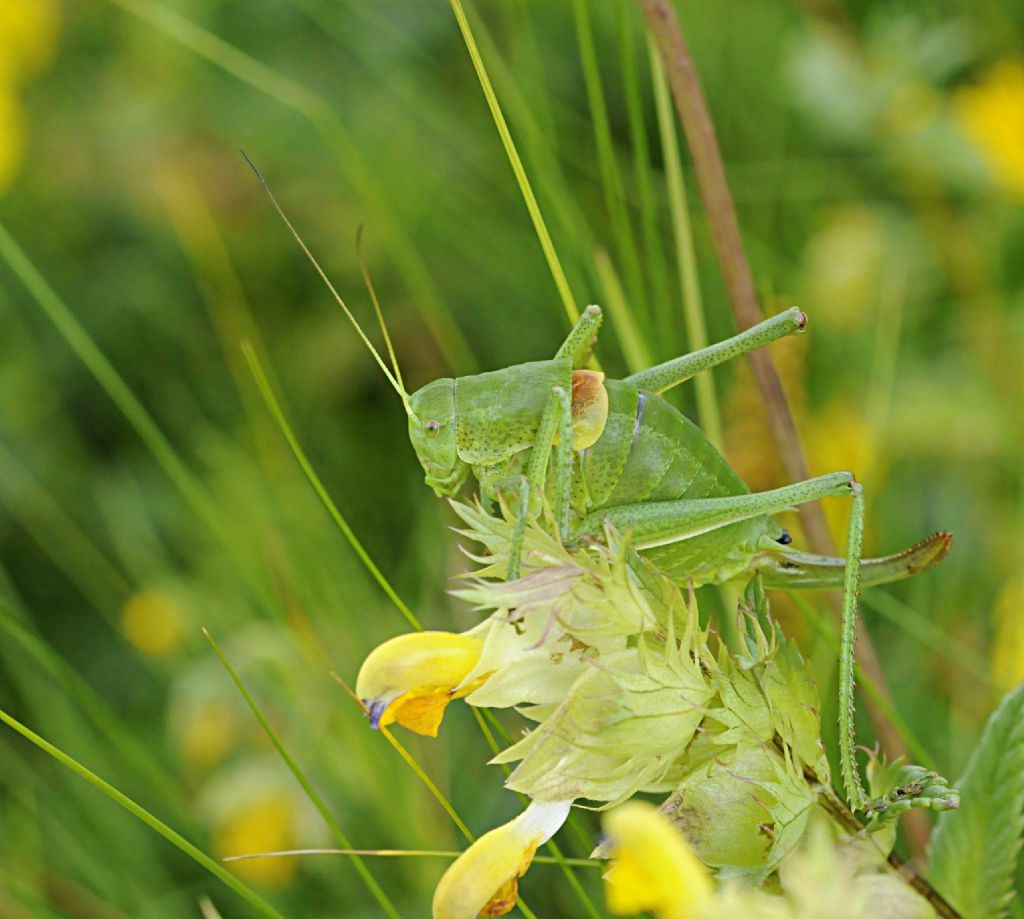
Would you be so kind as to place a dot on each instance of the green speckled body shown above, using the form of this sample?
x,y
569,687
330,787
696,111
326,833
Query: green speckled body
x,y
651,452
648,452
497,414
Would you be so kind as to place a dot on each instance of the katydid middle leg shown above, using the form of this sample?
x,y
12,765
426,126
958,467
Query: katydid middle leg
x,y
557,419
661,523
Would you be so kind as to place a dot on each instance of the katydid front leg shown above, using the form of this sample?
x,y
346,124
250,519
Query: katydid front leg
x,y
557,419
660,523
581,340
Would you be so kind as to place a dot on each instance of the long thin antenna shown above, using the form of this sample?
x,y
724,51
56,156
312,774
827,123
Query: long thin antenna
x,y
376,304
359,329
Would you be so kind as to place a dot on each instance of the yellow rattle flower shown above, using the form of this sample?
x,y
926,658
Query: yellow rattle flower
x,y
653,867
484,880
412,678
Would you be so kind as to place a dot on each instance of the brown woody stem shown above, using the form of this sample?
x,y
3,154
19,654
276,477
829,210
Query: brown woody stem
x,y
699,129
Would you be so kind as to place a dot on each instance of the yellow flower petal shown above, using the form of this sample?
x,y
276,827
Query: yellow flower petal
x,y
483,881
28,36
412,678
1008,646
991,116
653,868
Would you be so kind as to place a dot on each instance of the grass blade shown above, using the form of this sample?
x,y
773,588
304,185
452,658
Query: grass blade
x,y
314,480
611,180
322,117
568,300
218,871
403,853
307,787
686,257
111,381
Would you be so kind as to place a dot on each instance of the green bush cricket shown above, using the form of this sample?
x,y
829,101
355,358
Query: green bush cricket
x,y
614,452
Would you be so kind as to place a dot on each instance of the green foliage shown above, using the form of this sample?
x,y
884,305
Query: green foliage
x,y
136,455
974,852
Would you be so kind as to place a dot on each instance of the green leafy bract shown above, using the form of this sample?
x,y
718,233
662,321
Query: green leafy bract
x,y
975,848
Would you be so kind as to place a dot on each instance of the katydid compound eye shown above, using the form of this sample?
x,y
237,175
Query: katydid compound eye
x,y
433,427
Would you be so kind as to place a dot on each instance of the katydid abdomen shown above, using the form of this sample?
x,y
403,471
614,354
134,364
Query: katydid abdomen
x,y
650,452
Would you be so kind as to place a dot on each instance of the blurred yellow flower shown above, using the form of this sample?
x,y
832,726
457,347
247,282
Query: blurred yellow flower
x,y
749,446
843,268
1008,645
28,37
653,867
153,622
12,134
991,115
266,824
208,734
839,438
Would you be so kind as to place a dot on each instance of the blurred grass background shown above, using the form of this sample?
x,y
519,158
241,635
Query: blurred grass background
x,y
876,153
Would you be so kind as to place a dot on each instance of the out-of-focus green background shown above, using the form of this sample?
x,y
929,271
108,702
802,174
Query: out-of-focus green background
x,y
876,154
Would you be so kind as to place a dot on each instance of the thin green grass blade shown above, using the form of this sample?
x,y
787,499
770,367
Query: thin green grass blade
x,y
403,853
325,121
311,793
41,516
410,761
130,748
611,180
643,176
314,480
827,630
112,383
686,257
555,266
218,871
634,348
928,634
28,792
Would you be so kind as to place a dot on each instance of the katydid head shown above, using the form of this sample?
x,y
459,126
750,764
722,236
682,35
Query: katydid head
x,y
432,432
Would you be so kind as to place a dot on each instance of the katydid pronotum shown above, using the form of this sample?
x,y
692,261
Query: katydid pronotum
x,y
615,452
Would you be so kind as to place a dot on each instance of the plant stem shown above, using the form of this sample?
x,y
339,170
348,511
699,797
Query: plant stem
x,y
555,266
692,109
838,811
